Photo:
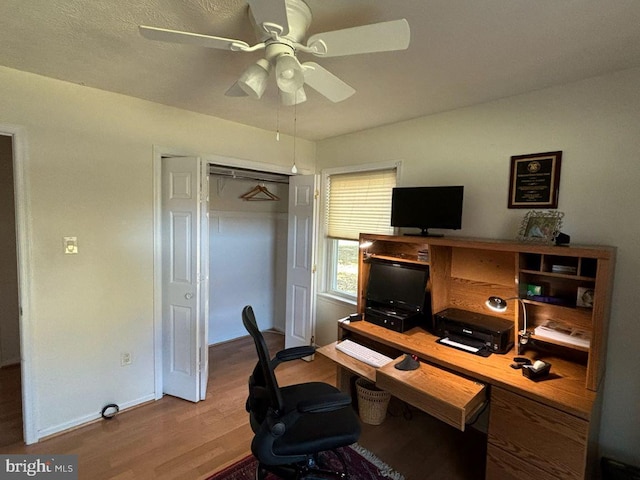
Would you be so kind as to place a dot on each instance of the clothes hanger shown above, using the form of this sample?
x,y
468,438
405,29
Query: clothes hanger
x,y
259,192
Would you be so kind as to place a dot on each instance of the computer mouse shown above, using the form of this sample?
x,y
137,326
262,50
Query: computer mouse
x,y
409,362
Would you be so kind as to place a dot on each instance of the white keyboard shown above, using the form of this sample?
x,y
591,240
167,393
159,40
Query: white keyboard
x,y
362,353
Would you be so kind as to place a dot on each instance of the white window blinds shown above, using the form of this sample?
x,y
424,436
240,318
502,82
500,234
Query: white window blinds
x,y
360,202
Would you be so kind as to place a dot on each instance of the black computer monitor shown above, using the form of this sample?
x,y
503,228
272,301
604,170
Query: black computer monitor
x,y
396,285
427,207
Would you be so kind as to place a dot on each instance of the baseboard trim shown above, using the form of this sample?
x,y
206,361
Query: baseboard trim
x,y
88,419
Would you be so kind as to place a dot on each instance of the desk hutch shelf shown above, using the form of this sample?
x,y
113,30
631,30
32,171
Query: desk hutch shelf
x,y
567,287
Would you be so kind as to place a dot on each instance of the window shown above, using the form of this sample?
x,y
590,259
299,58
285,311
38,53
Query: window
x,y
343,267
356,202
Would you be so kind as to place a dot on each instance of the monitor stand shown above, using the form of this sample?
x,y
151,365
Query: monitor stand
x,y
424,233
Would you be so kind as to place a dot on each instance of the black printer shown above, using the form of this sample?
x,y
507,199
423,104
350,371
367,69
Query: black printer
x,y
483,332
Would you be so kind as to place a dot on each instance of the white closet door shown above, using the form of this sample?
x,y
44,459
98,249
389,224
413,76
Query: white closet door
x,y
184,319
300,325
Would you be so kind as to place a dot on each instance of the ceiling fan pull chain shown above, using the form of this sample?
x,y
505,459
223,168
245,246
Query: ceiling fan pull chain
x,y
294,169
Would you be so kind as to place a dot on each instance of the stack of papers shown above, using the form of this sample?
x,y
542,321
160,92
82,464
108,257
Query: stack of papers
x,y
563,333
564,269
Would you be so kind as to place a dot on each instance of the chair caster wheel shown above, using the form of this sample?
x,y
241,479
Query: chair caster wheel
x,y
261,473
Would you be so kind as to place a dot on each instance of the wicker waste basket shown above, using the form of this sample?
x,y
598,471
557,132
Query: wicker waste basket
x,y
372,402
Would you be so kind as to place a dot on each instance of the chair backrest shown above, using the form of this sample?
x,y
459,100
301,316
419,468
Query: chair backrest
x,y
263,375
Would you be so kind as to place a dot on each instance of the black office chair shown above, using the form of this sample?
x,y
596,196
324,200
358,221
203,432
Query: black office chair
x,y
294,425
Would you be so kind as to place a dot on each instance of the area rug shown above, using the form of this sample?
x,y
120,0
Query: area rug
x,y
363,465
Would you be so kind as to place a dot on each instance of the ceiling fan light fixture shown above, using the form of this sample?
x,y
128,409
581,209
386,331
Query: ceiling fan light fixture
x,y
253,80
289,76
289,99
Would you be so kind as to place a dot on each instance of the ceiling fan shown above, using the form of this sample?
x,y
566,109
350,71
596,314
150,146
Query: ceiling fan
x,y
280,27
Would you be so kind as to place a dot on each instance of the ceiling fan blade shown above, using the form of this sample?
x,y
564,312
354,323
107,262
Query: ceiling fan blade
x,y
271,15
326,83
235,91
377,37
208,41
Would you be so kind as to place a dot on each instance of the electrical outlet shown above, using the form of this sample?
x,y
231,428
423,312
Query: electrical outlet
x,y
125,359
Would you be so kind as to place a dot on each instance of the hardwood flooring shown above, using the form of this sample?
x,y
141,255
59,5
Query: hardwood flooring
x,y
10,406
176,439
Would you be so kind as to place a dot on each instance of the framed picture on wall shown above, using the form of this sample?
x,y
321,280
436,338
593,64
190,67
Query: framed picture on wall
x,y
534,180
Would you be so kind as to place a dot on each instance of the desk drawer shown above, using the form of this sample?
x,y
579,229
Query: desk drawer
x,y
540,436
503,466
448,397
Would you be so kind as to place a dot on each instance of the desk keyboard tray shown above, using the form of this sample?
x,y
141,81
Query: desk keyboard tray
x,y
450,398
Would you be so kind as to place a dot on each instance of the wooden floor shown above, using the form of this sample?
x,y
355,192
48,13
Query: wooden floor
x,y
10,406
176,439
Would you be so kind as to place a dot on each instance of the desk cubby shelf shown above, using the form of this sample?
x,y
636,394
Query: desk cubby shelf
x,y
559,343
405,259
557,275
565,289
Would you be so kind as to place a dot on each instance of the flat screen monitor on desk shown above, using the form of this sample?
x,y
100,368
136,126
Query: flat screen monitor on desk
x,y
398,293
427,207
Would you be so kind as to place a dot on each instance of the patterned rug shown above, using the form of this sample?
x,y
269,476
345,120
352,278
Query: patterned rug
x,y
363,465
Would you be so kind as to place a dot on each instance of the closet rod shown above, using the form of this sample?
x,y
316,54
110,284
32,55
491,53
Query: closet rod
x,y
248,174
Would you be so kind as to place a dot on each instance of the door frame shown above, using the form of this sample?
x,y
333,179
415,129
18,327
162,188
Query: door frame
x,y
163,151
22,198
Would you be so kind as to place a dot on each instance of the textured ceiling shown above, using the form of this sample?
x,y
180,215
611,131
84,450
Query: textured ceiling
x,y
462,52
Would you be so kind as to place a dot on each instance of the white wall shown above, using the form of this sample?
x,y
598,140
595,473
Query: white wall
x,y
89,173
596,123
328,310
247,259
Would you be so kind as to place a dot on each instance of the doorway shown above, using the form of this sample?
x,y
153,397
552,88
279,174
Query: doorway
x,y
10,372
231,221
248,249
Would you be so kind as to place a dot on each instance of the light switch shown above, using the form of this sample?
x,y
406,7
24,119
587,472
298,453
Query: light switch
x,y
70,245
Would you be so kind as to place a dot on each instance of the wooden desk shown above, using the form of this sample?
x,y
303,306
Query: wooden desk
x,y
545,430
537,430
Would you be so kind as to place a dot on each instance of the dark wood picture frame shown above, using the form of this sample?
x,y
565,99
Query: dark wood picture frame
x,y
534,180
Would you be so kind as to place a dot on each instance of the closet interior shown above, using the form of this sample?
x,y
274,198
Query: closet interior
x,y
248,212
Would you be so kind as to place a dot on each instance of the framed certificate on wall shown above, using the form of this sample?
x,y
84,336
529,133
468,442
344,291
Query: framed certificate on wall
x,y
534,180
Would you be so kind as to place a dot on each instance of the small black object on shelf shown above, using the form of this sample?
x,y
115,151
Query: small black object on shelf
x,y
519,362
562,239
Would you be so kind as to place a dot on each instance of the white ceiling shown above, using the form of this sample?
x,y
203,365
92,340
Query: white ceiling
x,y
462,52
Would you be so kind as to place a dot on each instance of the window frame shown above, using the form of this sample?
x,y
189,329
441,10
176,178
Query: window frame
x,y
328,246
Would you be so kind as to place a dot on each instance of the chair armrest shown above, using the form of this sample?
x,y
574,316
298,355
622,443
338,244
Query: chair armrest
x,y
294,353
325,403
